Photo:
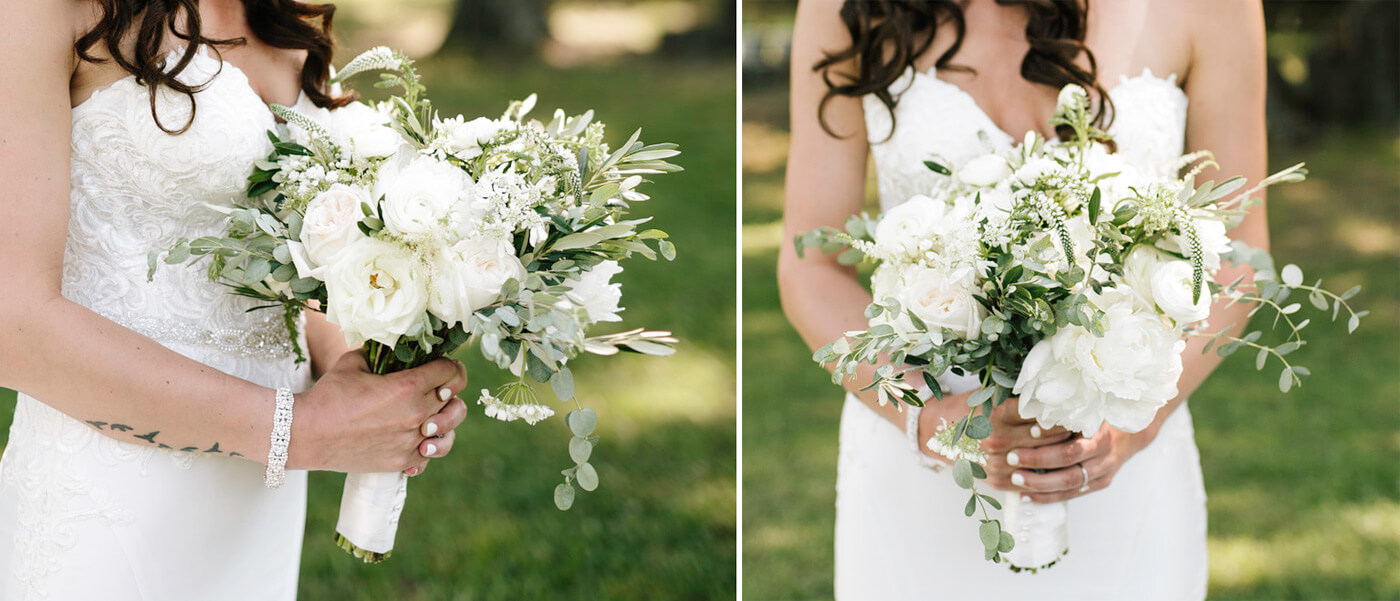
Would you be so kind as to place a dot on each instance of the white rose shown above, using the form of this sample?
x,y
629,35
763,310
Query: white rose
x,y
1036,168
375,290
596,294
463,138
1077,380
905,224
1214,242
986,170
419,194
330,224
1171,289
363,130
469,275
943,300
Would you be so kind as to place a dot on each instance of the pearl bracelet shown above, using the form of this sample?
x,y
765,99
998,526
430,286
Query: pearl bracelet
x,y
281,437
911,430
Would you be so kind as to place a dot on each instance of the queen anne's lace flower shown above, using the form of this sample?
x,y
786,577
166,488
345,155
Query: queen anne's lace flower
x,y
966,447
505,411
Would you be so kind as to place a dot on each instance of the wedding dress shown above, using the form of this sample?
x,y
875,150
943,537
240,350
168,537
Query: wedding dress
x,y
900,529
87,517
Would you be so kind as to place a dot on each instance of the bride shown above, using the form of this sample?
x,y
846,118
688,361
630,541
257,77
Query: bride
x,y
904,81
135,468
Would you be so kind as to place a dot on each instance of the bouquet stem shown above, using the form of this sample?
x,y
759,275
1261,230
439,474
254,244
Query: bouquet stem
x,y
1041,531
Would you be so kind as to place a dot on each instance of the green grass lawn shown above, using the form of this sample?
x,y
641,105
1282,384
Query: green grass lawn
x,y
1303,487
481,524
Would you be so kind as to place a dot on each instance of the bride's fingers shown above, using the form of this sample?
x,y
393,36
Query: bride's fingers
x,y
1006,439
1059,455
1100,476
437,447
1065,480
446,419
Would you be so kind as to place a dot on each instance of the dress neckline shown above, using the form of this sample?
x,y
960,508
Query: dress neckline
x,y
201,52
932,74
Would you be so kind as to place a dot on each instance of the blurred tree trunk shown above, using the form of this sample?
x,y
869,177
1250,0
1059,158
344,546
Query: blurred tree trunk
x,y
498,26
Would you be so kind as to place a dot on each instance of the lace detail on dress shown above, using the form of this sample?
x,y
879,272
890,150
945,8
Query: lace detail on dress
x,y
936,119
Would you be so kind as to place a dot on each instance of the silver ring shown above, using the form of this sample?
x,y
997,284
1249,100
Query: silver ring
x,y
1085,487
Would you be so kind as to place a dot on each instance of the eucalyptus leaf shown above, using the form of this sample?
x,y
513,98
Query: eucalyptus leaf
x,y
587,477
582,422
564,497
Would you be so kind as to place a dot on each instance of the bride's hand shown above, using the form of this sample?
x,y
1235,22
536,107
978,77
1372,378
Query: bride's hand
x,y
1011,436
1101,455
355,421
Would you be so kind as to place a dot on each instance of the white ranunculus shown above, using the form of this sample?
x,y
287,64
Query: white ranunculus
x,y
330,224
469,275
464,138
596,294
419,195
1077,380
1036,168
1214,242
986,170
1171,289
375,290
943,300
363,130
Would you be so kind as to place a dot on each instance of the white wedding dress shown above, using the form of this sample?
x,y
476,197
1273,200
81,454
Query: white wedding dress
x,y
900,529
86,517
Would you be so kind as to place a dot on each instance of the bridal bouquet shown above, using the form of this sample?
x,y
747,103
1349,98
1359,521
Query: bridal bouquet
x,y
416,234
1061,274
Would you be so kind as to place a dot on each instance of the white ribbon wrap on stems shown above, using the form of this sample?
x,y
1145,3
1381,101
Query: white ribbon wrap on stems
x,y
1041,532
369,513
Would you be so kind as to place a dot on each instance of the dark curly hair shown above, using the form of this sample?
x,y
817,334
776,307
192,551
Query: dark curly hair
x,y
279,23
887,36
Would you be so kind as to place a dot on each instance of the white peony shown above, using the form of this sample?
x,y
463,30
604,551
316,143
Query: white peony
x,y
329,225
1171,289
596,294
363,130
1077,380
986,170
463,138
419,194
1138,266
469,275
375,290
906,224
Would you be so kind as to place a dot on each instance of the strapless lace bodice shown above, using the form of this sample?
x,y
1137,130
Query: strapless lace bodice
x,y
84,515
136,188
936,118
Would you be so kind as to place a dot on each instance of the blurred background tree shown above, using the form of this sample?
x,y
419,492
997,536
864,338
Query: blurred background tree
x,y
498,25
1304,489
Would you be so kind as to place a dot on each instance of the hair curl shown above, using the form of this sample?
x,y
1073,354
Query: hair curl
x,y
888,36
285,24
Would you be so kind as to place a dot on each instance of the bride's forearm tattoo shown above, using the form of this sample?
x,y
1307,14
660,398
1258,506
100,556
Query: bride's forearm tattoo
x,y
150,438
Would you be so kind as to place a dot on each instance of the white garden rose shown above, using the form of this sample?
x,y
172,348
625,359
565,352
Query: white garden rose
x,y
375,290
464,138
904,226
1077,380
1171,289
596,294
363,130
986,170
330,224
419,194
926,229
943,299
469,275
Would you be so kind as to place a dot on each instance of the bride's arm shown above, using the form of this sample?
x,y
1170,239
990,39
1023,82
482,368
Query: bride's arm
x,y
98,372
825,184
1226,86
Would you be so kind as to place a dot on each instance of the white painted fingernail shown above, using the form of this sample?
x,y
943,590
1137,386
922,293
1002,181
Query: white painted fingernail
x,y
444,393
431,450
1025,499
1018,479
1013,459
1035,432
429,429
